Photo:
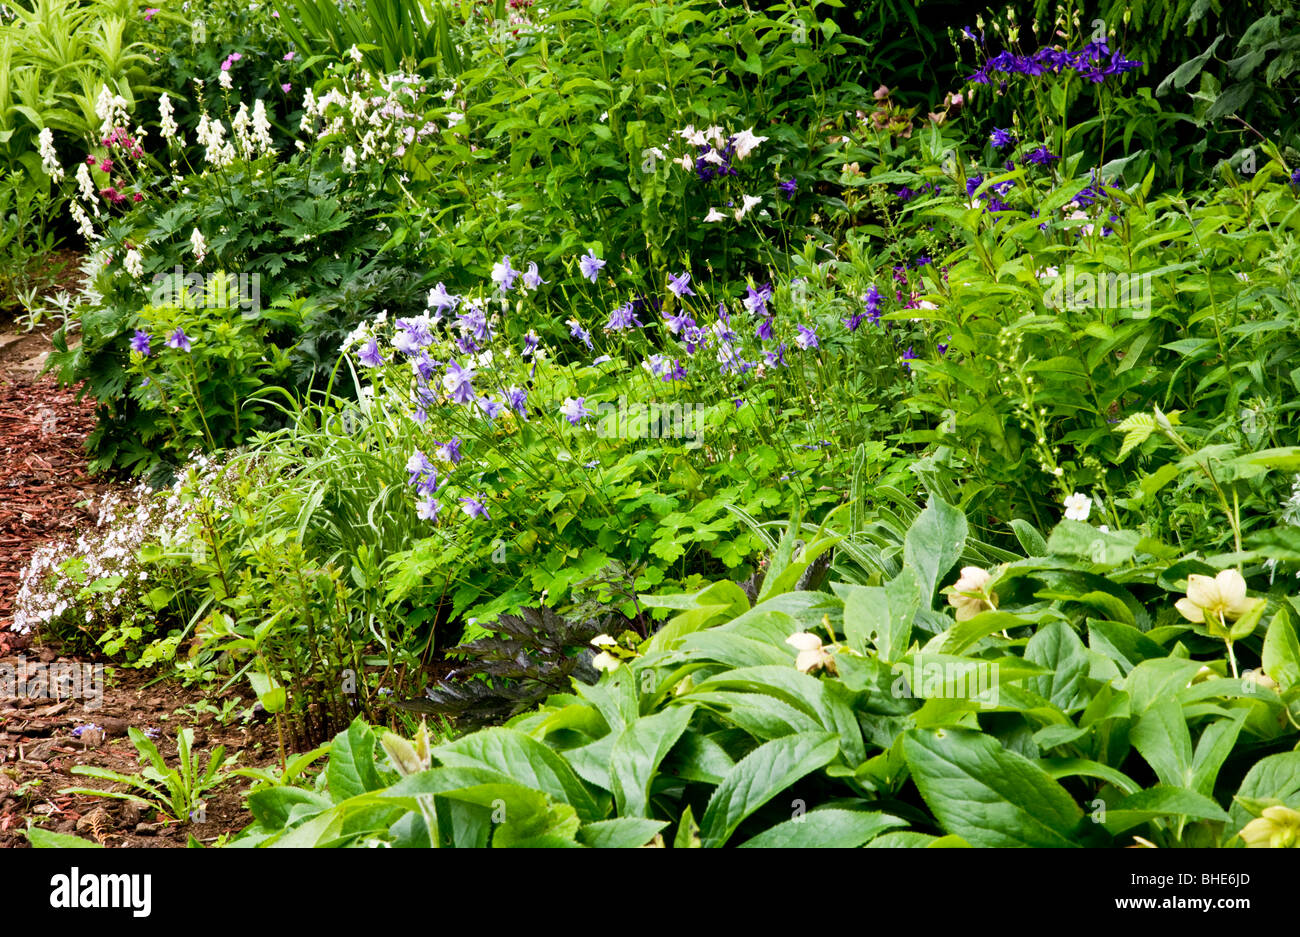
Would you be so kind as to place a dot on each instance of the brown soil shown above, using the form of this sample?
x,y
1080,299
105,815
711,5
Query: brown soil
x,y
44,490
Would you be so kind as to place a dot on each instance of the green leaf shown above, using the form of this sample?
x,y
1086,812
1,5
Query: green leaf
x,y
620,833
351,768
1160,801
1031,541
1281,657
1058,649
1276,777
637,754
525,760
760,776
933,544
1160,735
986,794
827,828
48,839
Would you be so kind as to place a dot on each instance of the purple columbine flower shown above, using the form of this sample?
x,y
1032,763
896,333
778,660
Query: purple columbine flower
x,y
775,359
942,347
1001,139
449,451
678,284
179,339
678,322
503,275
458,382
1295,177
853,321
475,507
575,410
517,397
590,265
530,343
973,183
489,408
577,331
807,338
532,279
441,300
140,342
908,356
417,466
872,299
755,301
1041,157
764,330
427,510
370,355
622,318
788,187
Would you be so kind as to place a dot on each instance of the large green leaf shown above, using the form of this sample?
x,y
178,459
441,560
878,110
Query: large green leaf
x,y
1276,777
525,760
987,795
760,776
1156,802
351,769
828,828
933,544
637,754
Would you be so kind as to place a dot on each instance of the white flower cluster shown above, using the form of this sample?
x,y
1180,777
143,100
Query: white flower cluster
x,y
376,114
98,579
110,108
716,148
49,158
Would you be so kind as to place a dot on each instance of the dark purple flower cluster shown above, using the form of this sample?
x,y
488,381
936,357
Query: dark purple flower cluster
x,y
708,169
1095,62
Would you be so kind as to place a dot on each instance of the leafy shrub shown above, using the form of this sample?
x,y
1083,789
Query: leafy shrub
x,y
815,718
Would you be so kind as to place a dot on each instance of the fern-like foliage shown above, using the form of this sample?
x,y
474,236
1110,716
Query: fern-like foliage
x,y
527,657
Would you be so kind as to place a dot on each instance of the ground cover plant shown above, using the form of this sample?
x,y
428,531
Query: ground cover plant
x,y
624,423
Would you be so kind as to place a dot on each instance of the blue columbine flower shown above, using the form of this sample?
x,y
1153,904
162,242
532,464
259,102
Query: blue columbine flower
x,y
503,275
590,265
530,344
755,301
140,342
458,382
908,356
973,183
417,467
775,359
788,187
370,355
575,410
807,338
179,339
1041,157
474,507
678,322
764,331
577,331
1001,139
449,451
517,397
533,279
441,300
427,510
622,318
678,284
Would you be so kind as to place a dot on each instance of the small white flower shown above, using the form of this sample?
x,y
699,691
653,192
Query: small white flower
x,y
714,215
1077,507
747,202
606,662
349,159
198,245
133,264
49,158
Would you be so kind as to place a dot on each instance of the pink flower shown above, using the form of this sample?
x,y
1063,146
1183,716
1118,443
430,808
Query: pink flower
x,y
106,165
149,13
288,56
286,87
137,197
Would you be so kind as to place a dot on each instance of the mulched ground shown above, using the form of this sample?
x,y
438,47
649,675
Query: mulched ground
x,y
43,485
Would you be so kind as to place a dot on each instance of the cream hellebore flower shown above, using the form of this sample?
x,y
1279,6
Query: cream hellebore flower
x,y
1260,678
1278,828
812,656
969,597
605,661
1077,507
1219,599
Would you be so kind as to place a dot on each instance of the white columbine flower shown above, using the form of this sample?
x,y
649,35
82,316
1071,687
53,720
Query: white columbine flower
x,y
746,142
1077,507
714,215
199,245
747,202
